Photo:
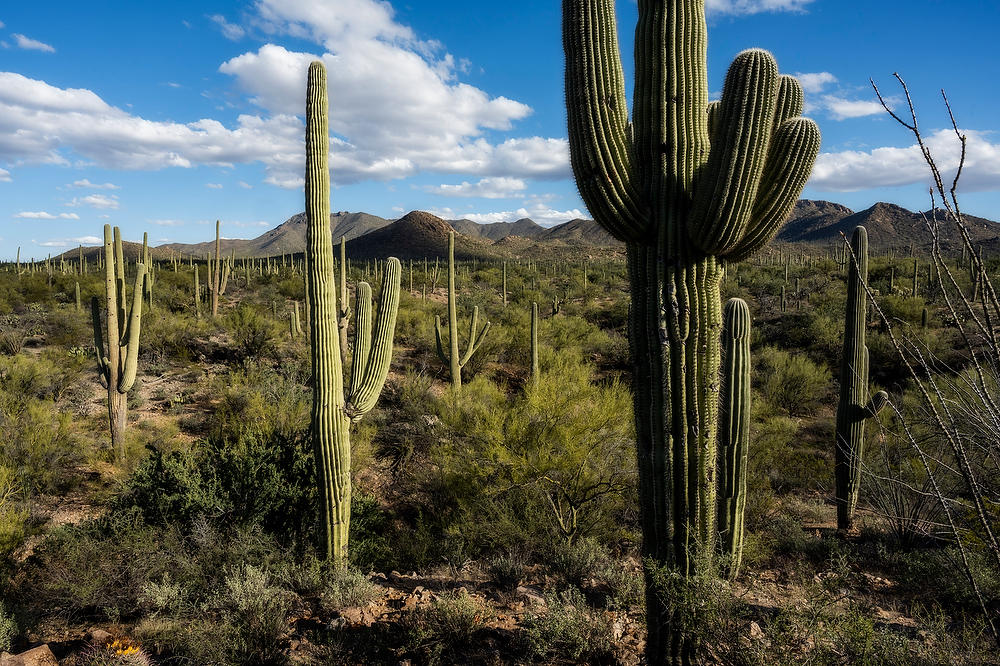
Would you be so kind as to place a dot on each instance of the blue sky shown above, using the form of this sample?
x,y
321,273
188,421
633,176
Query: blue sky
x,y
163,117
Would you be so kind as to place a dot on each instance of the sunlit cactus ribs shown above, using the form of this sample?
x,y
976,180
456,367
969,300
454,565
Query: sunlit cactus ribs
x,y
688,186
855,405
337,401
118,361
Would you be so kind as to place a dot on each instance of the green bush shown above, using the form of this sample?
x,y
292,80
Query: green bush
x,y
253,334
791,381
8,628
568,629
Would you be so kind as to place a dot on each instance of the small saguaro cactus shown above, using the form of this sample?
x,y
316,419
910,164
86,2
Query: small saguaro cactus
x,y
455,360
855,404
119,365
734,429
338,401
534,344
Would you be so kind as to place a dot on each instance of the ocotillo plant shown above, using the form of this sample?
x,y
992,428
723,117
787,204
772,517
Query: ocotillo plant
x,y
335,405
453,359
734,429
855,405
687,186
118,367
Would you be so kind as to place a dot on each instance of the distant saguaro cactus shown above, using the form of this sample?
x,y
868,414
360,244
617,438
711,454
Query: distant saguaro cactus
x,y
119,366
687,186
335,405
855,406
455,360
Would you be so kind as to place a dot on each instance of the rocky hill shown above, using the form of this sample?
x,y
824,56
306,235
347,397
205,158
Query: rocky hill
x,y
414,236
495,231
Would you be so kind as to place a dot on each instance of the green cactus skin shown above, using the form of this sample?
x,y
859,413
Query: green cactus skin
x,y
453,359
503,287
197,294
78,308
119,366
687,186
334,408
855,405
734,432
344,306
923,318
534,344
215,273
913,289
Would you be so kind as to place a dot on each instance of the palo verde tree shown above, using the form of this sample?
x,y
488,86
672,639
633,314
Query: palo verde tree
x,y
336,402
689,187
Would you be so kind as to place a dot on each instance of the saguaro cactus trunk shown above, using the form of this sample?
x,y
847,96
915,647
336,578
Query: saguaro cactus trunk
x,y
688,186
855,406
333,407
453,358
119,366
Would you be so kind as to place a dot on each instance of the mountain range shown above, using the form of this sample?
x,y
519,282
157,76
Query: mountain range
x,y
420,234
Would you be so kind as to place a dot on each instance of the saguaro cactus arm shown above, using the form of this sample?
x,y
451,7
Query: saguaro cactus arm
x,y
366,386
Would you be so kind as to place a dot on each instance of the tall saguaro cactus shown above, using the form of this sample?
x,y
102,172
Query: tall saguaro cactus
x,y
454,360
215,274
336,405
688,186
855,405
119,365
734,433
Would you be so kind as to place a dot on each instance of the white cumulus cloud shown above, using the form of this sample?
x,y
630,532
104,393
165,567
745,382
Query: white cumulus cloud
x,y
70,242
96,201
43,215
842,109
755,6
814,82
32,44
214,186
487,188
229,30
541,214
4,176
853,170
86,184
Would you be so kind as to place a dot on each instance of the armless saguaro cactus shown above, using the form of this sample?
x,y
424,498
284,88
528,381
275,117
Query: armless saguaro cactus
x,y
335,405
119,365
455,361
687,186
734,433
855,405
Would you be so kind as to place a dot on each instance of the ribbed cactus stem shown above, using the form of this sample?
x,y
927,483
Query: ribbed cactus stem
x,y
197,294
333,409
734,431
78,297
534,344
503,286
344,309
119,366
453,358
855,404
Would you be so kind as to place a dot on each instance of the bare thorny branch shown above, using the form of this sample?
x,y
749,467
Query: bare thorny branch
x,y
950,416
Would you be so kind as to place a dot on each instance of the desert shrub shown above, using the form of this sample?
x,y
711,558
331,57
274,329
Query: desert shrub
x,y
448,627
8,628
171,336
11,342
252,333
12,515
568,629
257,480
791,381
348,587
257,400
506,568
256,609
118,652
552,463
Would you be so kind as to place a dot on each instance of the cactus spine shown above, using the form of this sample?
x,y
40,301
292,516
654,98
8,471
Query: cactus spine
x,y
119,366
455,360
335,405
855,405
734,431
751,155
